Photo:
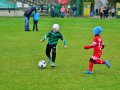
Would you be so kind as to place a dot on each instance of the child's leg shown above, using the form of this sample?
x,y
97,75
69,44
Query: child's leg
x,y
92,60
53,53
99,61
90,67
34,25
48,49
90,64
102,62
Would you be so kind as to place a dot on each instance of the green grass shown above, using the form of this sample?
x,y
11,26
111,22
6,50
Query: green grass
x,y
20,52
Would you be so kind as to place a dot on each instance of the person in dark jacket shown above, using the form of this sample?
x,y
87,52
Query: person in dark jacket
x,y
27,15
53,11
74,9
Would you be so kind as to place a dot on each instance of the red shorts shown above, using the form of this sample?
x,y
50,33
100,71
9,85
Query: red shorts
x,y
96,56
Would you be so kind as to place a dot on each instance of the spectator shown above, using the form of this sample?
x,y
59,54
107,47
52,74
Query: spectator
x,y
107,12
101,12
9,10
36,17
62,10
53,11
74,10
97,12
27,15
41,7
104,11
67,12
113,12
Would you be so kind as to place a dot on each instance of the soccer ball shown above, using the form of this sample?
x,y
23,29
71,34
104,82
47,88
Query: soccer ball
x,y
42,64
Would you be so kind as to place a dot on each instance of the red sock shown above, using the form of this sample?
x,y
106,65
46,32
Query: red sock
x,y
100,61
90,66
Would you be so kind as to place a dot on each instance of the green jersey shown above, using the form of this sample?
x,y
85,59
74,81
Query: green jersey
x,y
54,37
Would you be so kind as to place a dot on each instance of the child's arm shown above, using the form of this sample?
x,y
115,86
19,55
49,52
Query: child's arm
x,y
90,46
102,45
63,40
45,37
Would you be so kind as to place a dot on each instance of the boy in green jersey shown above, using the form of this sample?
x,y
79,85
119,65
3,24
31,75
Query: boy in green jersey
x,y
53,36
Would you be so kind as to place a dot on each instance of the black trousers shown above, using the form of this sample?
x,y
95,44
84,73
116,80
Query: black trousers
x,y
35,25
113,14
48,50
106,13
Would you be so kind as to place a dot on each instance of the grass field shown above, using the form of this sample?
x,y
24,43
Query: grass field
x,y
20,52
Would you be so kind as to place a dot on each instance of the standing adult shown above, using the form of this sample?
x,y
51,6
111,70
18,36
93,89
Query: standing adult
x,y
9,10
104,11
107,12
27,15
113,12
53,11
62,10
101,12
67,12
41,7
74,10
97,12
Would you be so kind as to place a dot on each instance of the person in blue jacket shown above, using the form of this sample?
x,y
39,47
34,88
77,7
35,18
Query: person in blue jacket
x,y
36,17
27,15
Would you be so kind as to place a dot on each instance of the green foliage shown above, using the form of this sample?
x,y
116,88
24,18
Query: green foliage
x,y
72,2
20,52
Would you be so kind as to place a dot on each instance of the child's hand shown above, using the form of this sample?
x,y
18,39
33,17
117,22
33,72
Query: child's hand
x,y
65,46
85,47
41,40
88,47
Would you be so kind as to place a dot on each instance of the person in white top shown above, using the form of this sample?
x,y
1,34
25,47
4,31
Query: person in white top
x,y
113,12
101,12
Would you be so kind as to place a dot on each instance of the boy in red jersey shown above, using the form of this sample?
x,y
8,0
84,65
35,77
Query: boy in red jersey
x,y
97,45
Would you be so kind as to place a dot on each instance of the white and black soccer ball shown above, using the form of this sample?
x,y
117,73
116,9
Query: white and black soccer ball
x,y
42,63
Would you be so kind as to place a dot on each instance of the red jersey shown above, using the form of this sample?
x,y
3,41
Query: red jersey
x,y
97,44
